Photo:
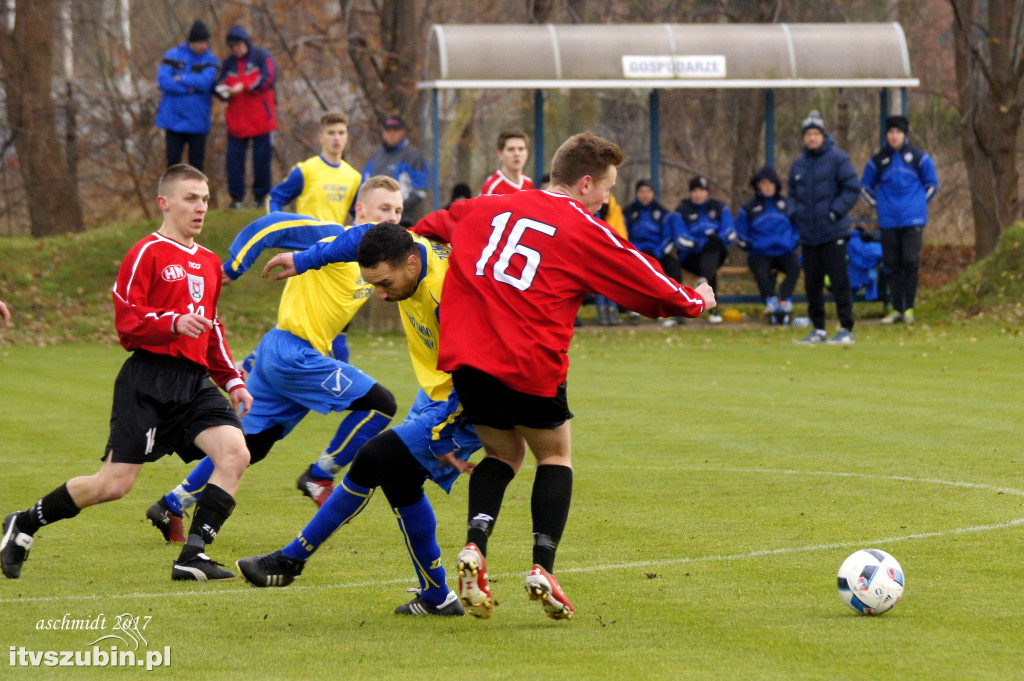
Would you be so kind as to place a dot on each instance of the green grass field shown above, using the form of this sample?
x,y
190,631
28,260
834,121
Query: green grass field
x,y
722,475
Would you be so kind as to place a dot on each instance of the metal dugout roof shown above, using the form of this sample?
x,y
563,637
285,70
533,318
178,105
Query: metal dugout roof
x,y
664,56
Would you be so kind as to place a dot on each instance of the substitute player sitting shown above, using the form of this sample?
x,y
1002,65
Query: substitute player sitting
x,y
165,307
298,366
430,443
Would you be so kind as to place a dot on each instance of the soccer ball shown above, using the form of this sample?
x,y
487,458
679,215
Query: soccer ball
x,y
870,581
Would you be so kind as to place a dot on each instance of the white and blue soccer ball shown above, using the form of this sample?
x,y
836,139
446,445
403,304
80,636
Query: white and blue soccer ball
x,y
870,581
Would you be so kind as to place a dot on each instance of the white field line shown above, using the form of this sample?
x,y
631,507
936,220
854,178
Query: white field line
x,y
619,566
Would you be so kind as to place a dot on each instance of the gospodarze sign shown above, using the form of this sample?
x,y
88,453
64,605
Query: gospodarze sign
x,y
692,66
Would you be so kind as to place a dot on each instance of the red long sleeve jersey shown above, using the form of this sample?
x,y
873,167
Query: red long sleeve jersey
x,y
519,268
160,280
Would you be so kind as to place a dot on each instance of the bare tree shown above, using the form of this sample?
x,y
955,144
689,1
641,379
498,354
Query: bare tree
x,y
990,82
383,46
26,53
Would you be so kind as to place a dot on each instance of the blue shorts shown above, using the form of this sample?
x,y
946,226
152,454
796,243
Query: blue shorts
x,y
417,432
290,377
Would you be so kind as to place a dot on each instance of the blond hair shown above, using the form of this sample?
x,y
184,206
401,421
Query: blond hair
x,y
175,174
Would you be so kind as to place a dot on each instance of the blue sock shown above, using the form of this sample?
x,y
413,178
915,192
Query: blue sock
x,y
191,488
353,432
344,504
419,527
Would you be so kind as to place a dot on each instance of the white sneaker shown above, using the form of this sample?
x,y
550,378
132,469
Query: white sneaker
x,y
815,337
842,337
715,318
894,317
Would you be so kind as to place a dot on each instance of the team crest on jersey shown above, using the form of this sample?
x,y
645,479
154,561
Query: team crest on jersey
x,y
908,157
197,287
173,273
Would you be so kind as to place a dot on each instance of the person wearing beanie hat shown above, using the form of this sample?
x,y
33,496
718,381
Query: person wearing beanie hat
x,y
823,189
701,230
764,230
645,229
247,81
900,181
186,78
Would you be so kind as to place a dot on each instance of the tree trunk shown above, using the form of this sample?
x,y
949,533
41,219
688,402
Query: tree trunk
x,y
989,85
27,59
746,159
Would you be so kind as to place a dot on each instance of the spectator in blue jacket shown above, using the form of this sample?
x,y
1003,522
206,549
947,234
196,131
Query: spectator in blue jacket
x,y
823,188
645,225
763,230
899,181
186,77
702,230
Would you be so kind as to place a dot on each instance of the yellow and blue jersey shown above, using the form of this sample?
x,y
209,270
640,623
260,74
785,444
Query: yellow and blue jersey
x,y
432,426
318,188
419,311
318,305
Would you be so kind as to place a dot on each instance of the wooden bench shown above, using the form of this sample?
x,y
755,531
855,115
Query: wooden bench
x,y
755,299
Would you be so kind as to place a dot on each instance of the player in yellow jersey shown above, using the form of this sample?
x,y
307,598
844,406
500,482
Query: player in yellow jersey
x,y
431,442
323,186
294,370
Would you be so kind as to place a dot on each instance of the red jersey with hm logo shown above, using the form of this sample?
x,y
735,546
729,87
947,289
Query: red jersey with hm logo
x,y
161,279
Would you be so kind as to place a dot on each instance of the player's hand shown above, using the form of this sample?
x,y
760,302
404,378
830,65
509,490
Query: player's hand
x,y
224,278
5,314
286,261
705,291
192,325
458,464
241,401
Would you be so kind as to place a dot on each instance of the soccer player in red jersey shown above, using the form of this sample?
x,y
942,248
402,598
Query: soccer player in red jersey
x,y
519,268
165,306
513,150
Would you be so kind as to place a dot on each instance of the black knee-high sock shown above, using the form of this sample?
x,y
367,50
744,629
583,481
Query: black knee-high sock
x,y
549,503
212,511
487,487
57,505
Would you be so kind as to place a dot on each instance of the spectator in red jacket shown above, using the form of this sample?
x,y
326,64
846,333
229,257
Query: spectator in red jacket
x,y
247,82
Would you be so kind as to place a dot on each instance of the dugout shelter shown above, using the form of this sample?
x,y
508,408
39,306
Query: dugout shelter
x,y
656,57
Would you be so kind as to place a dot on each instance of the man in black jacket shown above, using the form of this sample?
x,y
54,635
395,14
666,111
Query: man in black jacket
x,y
823,187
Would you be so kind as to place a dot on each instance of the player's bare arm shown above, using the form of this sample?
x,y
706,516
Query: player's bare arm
x,y
286,261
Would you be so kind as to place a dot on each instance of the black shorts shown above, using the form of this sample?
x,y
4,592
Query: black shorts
x,y
161,404
486,401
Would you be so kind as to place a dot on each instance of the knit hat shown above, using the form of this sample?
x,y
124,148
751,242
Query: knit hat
x,y
898,122
699,182
813,120
198,33
643,183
